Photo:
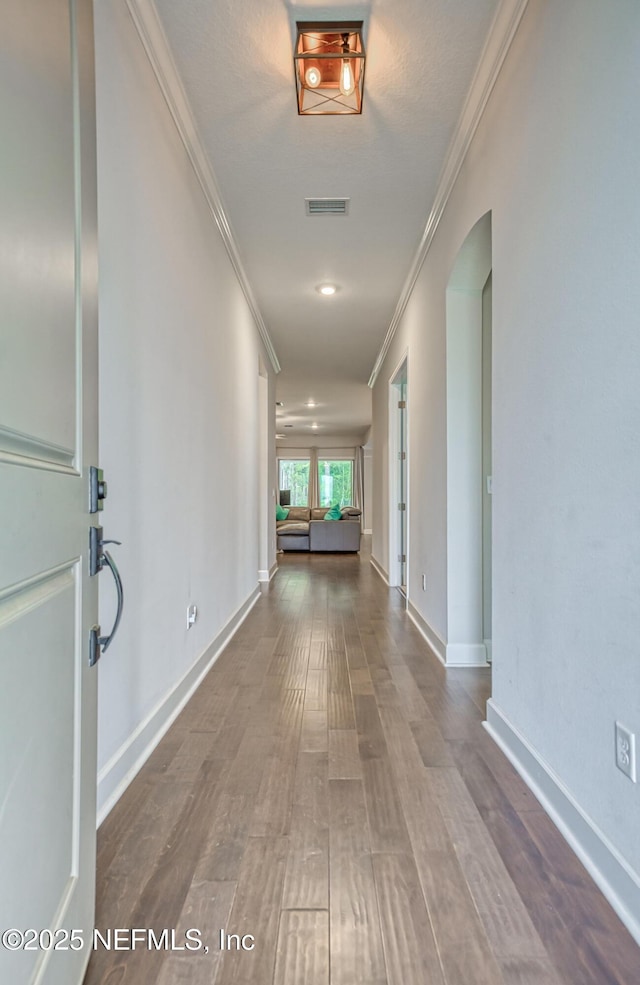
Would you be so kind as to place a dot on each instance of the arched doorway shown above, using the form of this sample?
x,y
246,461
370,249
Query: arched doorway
x,y
469,476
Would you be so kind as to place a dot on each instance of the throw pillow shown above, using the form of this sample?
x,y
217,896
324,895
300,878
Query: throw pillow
x,y
350,511
334,513
281,513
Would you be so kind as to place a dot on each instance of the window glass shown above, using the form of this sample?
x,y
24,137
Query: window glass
x,y
294,476
335,482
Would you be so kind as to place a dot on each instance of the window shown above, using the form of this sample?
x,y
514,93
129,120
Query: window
x,y
335,482
294,475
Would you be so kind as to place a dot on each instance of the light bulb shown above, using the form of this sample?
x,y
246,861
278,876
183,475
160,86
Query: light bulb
x,y
312,77
347,82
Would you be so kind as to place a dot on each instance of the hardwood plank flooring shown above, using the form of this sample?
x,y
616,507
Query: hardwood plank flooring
x,y
303,948
329,807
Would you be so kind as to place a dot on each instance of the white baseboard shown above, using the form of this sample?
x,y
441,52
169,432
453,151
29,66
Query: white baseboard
x,y
266,576
377,567
116,775
436,644
450,654
615,878
466,655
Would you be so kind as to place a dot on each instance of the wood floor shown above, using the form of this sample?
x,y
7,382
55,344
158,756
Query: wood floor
x,y
330,796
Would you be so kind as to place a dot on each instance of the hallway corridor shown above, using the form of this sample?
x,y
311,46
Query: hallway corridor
x,y
330,791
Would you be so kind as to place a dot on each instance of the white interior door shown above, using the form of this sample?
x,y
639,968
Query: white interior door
x,y
48,440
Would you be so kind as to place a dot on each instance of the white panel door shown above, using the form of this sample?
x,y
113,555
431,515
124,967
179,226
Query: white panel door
x,y
48,440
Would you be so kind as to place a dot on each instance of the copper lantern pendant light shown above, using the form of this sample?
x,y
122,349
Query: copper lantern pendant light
x,y
329,63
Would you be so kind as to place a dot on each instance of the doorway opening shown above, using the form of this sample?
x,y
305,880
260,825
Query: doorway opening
x,y
469,468
266,495
398,479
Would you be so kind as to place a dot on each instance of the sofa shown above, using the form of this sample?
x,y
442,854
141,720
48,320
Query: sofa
x,y
306,529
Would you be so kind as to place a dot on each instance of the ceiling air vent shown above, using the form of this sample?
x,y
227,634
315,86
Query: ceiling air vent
x,y
327,206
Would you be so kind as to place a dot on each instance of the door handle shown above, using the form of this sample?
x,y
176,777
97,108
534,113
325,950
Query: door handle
x,y
98,559
104,641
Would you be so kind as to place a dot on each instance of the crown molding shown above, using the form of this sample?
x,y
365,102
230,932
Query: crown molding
x,y
147,23
502,32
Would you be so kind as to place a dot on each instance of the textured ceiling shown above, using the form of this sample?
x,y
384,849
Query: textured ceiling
x,y
235,61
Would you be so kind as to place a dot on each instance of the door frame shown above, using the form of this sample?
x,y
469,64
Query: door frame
x,y
266,495
395,566
464,316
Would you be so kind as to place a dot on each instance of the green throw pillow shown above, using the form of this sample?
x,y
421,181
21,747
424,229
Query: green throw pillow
x,y
334,513
281,513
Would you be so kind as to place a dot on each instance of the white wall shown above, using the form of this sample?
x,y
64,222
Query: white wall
x,y
324,450
179,434
326,442
555,160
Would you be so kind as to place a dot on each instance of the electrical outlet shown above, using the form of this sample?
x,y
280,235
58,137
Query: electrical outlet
x,y
424,582
192,615
626,751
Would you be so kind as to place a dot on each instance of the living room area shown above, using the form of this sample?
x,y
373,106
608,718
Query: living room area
x,y
324,494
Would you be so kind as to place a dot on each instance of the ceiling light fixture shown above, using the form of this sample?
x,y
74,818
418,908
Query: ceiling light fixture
x,y
315,427
311,403
328,62
326,289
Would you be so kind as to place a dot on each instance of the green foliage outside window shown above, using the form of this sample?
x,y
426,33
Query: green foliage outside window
x,y
294,475
335,482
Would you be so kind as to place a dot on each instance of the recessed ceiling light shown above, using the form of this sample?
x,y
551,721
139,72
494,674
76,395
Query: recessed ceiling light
x,y
326,289
311,403
279,435
279,403
314,426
